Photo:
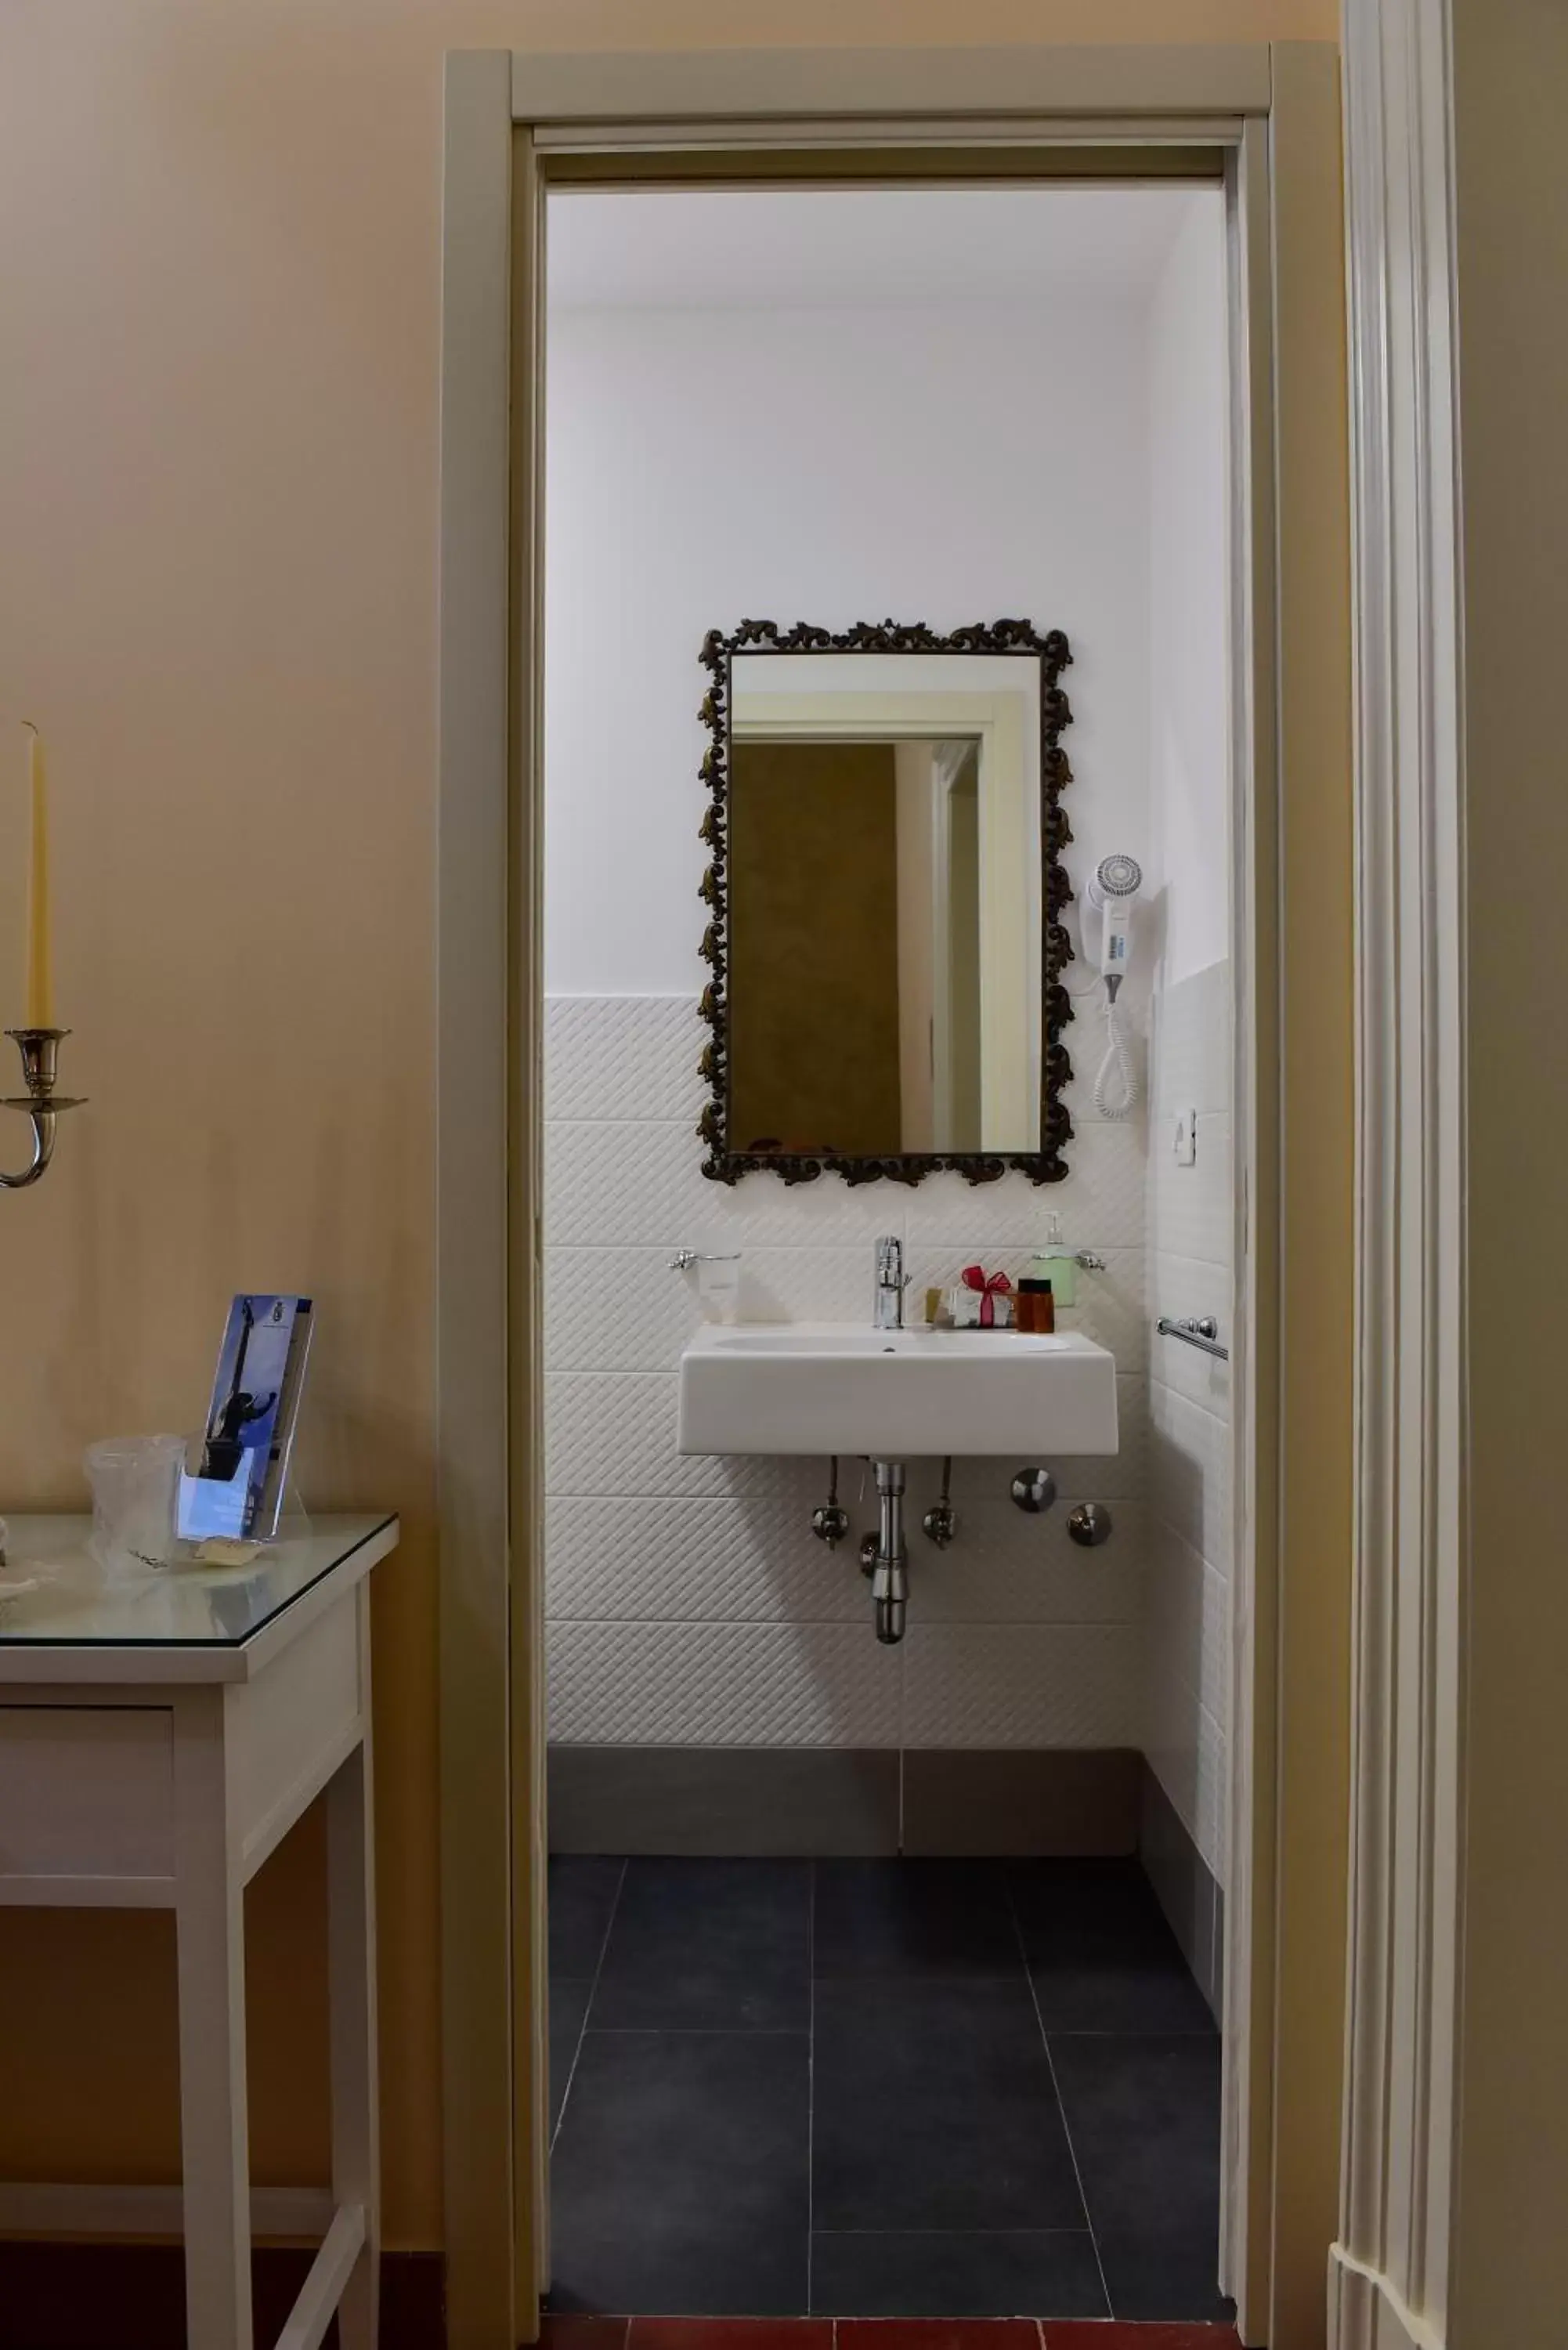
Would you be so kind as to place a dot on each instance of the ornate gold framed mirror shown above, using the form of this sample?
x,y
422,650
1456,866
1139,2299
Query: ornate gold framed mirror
x,y
886,893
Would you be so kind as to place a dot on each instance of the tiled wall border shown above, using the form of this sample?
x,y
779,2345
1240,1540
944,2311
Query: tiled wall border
x,y
815,1803
1185,1887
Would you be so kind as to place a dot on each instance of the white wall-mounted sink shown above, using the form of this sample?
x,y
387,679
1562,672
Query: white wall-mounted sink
x,y
894,1395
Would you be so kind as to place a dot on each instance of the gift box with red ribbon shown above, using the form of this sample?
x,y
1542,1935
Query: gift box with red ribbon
x,y
991,1286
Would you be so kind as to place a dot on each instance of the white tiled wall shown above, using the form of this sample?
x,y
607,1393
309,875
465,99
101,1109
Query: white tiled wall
x,y
1186,1664
689,1603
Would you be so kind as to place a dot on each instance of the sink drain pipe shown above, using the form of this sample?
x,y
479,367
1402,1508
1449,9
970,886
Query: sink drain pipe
x,y
890,1576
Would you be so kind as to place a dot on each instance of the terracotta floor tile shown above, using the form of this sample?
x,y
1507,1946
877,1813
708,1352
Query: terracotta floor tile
x,y
572,2331
732,2333
937,2334
1095,2334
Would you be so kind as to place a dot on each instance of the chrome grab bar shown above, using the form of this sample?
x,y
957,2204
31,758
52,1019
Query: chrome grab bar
x,y
1199,1330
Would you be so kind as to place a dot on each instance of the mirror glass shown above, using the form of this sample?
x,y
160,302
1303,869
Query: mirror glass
x,y
883,887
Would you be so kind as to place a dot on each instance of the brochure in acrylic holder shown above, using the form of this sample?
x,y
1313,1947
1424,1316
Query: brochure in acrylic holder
x,y
237,1480
217,1549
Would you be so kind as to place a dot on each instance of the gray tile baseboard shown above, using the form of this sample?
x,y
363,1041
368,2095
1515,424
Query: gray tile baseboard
x,y
1020,1802
1185,1887
741,1802
816,1802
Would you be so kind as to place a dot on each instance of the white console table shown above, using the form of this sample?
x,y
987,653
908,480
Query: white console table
x,y
157,1740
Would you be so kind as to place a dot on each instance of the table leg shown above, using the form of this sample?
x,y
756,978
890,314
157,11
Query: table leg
x,y
356,2149
214,2149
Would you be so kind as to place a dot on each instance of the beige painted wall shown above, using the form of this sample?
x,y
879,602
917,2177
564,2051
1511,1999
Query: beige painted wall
x,y
218,273
1511,2261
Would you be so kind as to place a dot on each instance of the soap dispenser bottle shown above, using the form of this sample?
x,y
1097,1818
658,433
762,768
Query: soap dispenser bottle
x,y
1057,1263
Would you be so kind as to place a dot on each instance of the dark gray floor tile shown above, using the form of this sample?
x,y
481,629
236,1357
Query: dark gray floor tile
x,y
1143,2111
913,1917
568,2006
709,1945
680,2179
999,2274
933,2108
582,1897
1101,1955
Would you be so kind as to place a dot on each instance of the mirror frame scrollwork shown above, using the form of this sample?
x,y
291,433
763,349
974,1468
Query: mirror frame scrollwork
x,y
1016,637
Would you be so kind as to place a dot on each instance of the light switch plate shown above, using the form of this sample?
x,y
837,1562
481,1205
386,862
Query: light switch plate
x,y
1187,1138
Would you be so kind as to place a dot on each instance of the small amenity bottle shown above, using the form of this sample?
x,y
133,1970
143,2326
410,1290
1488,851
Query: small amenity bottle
x,y
1036,1307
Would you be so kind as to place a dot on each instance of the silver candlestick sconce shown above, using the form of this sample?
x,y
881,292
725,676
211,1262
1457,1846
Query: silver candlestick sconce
x,y
41,1050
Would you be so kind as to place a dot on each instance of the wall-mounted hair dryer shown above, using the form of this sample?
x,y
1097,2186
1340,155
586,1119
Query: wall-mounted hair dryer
x,y
1112,887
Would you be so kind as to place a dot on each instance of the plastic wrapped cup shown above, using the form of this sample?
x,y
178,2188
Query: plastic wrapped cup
x,y
134,1481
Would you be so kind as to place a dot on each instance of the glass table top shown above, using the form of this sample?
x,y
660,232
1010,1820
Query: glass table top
x,y
53,1593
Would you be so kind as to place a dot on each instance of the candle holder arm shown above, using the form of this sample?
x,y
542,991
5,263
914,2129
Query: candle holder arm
x,y
39,1048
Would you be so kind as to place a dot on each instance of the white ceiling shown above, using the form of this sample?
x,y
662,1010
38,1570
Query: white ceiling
x,y
856,248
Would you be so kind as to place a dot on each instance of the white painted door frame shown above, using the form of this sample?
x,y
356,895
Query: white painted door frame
x,y
510,121
1010,929
1389,2267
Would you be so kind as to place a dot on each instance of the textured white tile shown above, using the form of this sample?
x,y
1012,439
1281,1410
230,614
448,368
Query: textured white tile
x,y
1182,1286
1213,1796
740,1560
623,1056
1189,1472
1109,1307
815,1283
1187,1625
697,1606
613,1432
1006,1567
1193,1210
723,1685
1101,1201
625,1309
639,1182
1214,1670
1169,1740
1190,1046
1173,1596
616,1309
1021,1685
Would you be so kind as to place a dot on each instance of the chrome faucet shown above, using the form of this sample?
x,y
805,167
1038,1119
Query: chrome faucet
x,y
888,1302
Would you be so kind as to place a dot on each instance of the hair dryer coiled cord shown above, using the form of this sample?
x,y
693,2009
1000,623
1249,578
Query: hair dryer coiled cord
x,y
1116,1080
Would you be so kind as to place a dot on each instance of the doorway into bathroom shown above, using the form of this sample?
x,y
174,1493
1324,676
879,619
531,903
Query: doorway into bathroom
x,y
887,1976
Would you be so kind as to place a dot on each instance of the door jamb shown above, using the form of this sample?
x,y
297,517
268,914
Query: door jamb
x,y
1281,108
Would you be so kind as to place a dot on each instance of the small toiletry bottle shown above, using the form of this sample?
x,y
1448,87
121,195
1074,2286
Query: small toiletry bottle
x,y
1057,1263
1036,1307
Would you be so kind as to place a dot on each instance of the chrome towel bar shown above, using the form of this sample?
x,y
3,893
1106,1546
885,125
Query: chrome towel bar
x,y
1199,1330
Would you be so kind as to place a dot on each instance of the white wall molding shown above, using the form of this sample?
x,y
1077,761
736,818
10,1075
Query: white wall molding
x,y
1389,2269
1366,2311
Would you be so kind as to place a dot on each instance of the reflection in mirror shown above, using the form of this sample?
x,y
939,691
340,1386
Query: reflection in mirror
x,y
854,993
886,951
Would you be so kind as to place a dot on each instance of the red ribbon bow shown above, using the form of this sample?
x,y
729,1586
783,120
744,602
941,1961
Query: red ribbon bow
x,y
989,1284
